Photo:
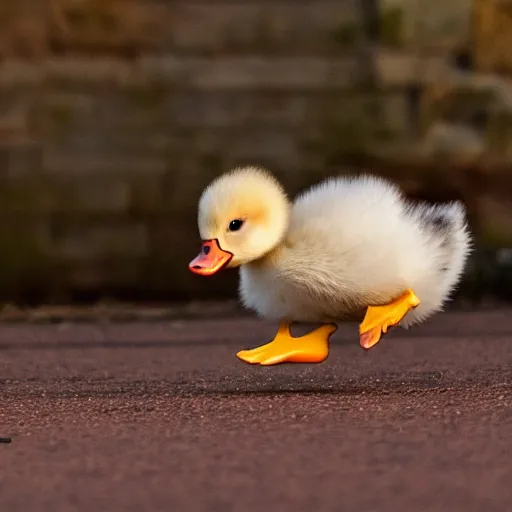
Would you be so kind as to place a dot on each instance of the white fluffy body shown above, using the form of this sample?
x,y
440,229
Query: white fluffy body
x,y
341,246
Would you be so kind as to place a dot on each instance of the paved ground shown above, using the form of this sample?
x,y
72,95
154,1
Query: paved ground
x,y
163,417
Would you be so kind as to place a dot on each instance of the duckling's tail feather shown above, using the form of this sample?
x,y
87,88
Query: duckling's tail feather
x,y
447,224
446,229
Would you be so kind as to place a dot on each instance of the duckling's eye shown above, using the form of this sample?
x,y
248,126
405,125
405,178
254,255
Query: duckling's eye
x,y
235,225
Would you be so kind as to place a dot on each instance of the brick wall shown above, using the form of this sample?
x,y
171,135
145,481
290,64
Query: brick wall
x,y
114,116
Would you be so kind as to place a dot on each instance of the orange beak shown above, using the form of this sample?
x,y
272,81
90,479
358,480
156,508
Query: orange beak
x,y
211,259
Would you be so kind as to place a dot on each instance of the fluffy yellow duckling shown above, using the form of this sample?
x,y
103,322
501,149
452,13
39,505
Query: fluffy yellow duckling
x,y
348,247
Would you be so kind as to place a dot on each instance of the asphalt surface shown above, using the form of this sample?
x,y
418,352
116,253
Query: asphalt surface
x,y
164,417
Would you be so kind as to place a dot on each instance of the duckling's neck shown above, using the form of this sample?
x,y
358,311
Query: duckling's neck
x,y
271,258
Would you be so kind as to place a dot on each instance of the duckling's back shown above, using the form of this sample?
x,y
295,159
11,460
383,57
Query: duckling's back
x,y
354,242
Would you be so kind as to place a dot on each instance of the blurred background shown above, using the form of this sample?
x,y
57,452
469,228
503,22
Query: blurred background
x,y
115,114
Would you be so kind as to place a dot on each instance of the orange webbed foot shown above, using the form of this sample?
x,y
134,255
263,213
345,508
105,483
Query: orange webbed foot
x,y
284,348
379,319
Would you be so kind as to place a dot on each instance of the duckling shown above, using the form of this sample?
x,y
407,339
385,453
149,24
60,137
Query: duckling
x,y
349,247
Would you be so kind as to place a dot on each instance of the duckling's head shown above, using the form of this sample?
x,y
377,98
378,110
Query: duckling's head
x,y
242,216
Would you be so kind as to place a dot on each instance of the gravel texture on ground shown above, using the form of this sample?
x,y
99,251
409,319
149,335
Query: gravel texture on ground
x,y
162,416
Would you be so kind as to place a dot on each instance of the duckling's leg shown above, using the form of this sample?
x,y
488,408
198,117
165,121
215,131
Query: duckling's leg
x,y
378,319
311,348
